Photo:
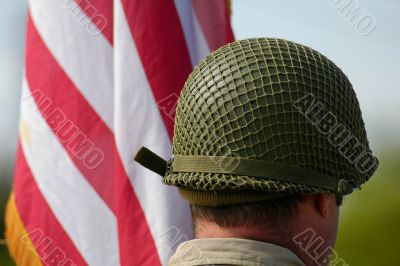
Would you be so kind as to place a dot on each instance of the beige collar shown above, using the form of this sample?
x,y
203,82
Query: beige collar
x,y
232,251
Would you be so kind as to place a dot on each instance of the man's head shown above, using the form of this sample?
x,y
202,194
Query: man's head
x,y
268,134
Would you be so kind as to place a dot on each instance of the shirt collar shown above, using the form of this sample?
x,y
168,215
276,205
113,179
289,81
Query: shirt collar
x,y
232,251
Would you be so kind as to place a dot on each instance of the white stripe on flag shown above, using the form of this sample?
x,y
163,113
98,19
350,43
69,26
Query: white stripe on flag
x,y
84,216
139,123
87,59
194,37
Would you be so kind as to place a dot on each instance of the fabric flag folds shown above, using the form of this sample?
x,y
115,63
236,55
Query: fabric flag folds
x,y
101,80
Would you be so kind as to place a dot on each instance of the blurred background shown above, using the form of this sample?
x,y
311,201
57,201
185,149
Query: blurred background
x,y
366,51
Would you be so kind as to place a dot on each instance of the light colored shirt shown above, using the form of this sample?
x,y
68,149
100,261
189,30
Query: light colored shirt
x,y
232,251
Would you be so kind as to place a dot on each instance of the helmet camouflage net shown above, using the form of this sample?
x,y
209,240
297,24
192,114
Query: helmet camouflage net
x,y
267,106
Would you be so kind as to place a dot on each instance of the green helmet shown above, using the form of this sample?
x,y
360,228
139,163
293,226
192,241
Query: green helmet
x,y
261,118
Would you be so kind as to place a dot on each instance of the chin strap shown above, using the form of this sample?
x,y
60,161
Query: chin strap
x,y
240,166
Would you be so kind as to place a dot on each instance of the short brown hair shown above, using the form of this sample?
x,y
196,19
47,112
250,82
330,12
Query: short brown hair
x,y
274,213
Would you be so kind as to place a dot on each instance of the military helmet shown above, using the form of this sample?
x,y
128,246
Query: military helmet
x,y
263,117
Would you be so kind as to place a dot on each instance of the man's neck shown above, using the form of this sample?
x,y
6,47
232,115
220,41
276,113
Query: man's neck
x,y
283,239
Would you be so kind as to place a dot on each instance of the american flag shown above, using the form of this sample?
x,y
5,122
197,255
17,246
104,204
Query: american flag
x,y
101,79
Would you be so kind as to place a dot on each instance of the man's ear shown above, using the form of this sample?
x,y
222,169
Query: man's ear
x,y
322,203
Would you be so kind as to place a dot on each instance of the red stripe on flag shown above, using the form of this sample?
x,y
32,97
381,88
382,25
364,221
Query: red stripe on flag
x,y
46,233
161,45
56,86
100,13
214,20
67,111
